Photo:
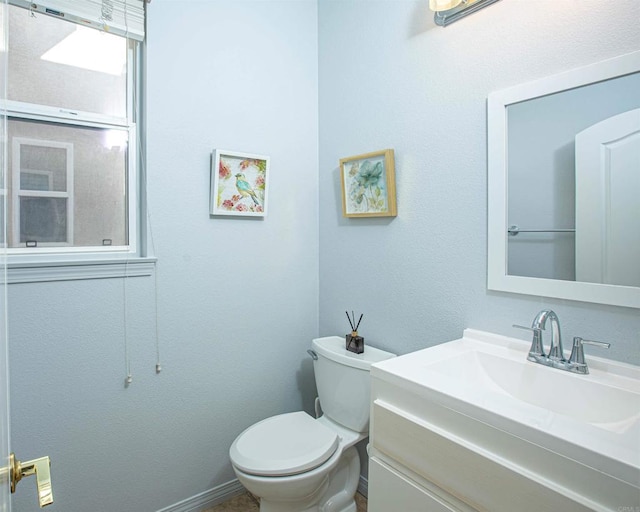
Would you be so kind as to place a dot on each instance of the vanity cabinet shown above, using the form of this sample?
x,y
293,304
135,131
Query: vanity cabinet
x,y
426,456
424,468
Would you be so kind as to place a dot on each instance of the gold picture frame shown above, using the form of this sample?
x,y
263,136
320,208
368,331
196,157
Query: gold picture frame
x,y
368,185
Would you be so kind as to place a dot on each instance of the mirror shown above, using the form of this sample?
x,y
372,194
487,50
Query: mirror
x,y
564,185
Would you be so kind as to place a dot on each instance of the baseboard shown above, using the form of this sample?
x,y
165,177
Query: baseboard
x,y
363,486
224,492
207,499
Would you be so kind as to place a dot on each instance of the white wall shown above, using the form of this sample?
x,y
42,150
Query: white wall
x,y
390,78
237,298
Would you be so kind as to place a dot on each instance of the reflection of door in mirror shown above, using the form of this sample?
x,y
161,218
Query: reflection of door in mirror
x,y
608,201
541,178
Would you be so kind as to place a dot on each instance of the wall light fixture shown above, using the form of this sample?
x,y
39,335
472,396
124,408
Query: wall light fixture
x,y
448,11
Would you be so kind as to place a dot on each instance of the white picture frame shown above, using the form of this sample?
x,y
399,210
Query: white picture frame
x,y
239,184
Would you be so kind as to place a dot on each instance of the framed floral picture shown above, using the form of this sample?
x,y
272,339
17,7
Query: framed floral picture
x,y
368,185
239,184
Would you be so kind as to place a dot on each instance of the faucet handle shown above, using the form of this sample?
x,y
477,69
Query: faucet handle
x,y
577,353
537,350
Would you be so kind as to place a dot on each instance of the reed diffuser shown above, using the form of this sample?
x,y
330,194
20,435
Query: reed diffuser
x,y
355,343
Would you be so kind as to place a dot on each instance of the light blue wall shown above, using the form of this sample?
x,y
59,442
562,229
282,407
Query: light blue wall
x,y
390,78
237,298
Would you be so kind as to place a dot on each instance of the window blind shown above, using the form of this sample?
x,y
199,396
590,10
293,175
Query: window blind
x,y
121,17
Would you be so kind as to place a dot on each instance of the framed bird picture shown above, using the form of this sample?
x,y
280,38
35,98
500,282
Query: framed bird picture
x,y
368,185
239,184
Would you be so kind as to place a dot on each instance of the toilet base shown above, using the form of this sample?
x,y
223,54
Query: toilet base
x,y
341,493
295,507
336,493
278,508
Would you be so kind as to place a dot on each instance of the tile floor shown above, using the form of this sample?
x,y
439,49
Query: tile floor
x,y
247,503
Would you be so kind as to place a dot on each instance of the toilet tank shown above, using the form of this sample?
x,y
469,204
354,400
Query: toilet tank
x,y
343,380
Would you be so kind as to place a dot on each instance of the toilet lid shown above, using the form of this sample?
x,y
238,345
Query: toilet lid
x,y
282,445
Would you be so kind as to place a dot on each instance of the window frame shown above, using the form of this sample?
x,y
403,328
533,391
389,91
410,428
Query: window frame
x,y
21,111
17,192
52,262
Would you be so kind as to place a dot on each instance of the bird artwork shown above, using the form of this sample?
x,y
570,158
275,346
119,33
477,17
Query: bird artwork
x,y
239,184
244,188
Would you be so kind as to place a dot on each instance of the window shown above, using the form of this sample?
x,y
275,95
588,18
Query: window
x,y
42,198
72,181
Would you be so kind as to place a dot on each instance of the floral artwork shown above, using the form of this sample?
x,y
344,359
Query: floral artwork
x,y
368,185
239,184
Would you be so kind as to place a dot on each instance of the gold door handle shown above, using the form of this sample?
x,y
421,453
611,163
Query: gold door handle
x,y
39,467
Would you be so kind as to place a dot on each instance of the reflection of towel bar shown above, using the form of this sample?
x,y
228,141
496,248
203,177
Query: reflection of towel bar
x,y
514,230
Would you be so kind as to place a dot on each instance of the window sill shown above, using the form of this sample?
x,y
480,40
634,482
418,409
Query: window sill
x,y
31,272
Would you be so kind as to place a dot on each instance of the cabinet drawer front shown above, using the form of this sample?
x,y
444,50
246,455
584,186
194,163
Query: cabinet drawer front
x,y
390,490
468,472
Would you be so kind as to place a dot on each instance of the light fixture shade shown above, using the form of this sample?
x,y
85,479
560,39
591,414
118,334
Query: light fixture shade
x,y
443,5
460,9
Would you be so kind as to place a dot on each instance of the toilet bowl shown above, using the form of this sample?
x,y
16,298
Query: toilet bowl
x,y
296,463
291,460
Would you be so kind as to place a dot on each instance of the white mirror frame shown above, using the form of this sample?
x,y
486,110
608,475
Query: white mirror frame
x,y
498,102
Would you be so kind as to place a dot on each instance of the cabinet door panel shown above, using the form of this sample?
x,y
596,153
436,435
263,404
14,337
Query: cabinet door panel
x,y
389,490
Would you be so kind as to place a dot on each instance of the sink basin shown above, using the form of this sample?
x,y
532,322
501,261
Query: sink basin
x,y
584,398
592,419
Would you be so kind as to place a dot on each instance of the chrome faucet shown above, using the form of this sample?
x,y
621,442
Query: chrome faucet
x,y
536,352
555,358
556,352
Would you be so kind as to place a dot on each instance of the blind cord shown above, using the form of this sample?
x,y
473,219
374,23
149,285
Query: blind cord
x,y
127,360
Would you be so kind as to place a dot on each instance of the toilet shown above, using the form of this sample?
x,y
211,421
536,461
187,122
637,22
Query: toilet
x,y
296,463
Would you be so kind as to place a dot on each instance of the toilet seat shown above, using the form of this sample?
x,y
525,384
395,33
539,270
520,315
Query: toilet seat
x,y
283,445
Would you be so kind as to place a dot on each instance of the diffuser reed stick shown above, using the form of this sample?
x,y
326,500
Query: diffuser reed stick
x,y
359,320
350,322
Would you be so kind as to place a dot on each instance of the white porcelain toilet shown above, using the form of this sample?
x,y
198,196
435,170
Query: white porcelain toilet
x,y
296,463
